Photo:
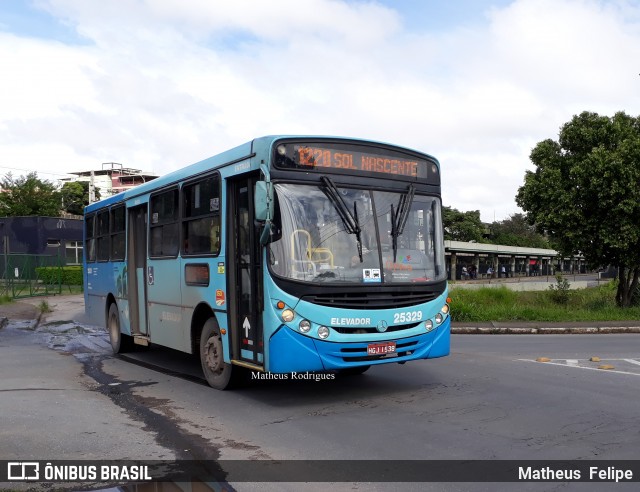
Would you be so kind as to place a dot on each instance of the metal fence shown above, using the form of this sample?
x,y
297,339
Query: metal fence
x,y
22,275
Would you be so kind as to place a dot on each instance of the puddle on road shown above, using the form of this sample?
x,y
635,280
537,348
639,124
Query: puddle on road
x,y
68,336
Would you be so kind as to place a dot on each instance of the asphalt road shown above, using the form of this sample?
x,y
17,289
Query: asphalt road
x,y
65,397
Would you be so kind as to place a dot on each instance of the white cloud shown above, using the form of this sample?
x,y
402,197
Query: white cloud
x,y
164,83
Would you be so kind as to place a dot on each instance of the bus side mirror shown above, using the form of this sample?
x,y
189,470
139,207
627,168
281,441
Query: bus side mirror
x,y
263,201
265,236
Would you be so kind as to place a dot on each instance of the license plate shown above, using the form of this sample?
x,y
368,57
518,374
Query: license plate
x,y
381,348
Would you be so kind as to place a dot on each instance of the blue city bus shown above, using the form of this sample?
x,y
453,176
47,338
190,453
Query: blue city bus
x,y
284,255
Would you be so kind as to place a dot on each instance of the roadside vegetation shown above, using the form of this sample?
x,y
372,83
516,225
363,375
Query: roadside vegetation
x,y
502,304
584,194
44,307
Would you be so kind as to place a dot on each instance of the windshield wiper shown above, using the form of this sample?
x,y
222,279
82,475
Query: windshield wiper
x,y
350,221
357,230
399,218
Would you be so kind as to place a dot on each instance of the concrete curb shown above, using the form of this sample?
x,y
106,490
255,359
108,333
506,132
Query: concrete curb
x,y
559,330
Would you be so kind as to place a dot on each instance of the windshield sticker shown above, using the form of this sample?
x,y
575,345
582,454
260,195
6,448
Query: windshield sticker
x,y
371,275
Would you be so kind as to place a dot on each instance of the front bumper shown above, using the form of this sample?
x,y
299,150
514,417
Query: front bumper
x,y
290,351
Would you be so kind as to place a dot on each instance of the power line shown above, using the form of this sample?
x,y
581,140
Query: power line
x,y
33,171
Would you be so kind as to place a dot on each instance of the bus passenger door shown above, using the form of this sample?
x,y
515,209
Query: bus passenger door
x,y
137,267
245,274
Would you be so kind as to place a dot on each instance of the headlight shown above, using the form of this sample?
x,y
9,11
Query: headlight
x,y
288,315
439,318
428,325
304,326
323,332
445,309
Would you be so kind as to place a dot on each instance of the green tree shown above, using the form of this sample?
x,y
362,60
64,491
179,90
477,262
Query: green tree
x,y
28,195
516,231
75,196
462,226
585,192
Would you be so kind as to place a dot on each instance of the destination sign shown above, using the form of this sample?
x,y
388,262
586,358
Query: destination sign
x,y
343,157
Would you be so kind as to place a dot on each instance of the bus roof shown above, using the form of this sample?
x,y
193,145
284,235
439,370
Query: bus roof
x,y
233,155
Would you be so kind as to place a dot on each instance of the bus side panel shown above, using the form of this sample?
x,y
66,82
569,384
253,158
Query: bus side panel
x,y
104,279
164,300
94,298
94,307
121,294
213,295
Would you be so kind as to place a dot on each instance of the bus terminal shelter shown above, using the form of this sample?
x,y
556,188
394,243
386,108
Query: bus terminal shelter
x,y
495,261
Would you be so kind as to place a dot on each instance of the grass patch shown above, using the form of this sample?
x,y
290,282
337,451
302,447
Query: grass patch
x,y
503,304
44,307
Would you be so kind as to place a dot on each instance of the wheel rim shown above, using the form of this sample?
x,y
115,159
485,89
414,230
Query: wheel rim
x,y
213,354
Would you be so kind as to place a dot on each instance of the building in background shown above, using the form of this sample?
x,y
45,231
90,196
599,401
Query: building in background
x,y
112,178
52,236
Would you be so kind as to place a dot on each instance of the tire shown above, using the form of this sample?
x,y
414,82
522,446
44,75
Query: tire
x,y
354,371
216,371
120,342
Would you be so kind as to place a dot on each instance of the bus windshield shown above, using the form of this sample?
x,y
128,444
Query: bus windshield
x,y
352,235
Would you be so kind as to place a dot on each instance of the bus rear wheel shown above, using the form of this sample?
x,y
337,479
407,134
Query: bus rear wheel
x,y
216,371
120,342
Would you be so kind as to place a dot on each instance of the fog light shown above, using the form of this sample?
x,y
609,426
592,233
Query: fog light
x,y
428,325
288,315
304,326
445,309
439,318
323,332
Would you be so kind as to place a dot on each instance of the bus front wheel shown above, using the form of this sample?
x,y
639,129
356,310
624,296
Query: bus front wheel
x,y
216,370
120,342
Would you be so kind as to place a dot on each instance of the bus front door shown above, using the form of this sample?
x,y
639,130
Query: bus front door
x,y
137,267
245,275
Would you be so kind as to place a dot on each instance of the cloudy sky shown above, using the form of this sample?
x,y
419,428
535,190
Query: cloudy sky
x,y
158,84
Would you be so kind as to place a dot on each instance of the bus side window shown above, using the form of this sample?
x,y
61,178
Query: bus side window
x,y
164,238
117,233
90,246
103,235
201,216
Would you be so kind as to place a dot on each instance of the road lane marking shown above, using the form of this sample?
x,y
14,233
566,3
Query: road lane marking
x,y
565,363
